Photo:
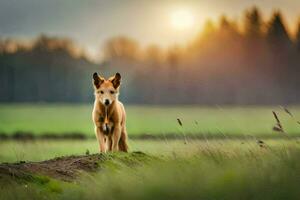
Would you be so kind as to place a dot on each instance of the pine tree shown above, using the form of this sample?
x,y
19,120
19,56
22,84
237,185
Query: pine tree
x,y
225,24
228,30
254,44
253,23
204,37
208,29
277,33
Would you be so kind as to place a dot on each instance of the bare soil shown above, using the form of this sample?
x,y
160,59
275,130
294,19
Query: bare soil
x,y
65,168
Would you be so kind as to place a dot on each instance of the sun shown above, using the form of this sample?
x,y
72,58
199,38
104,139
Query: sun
x,y
182,19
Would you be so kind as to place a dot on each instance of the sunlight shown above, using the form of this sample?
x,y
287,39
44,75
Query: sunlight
x,y
182,19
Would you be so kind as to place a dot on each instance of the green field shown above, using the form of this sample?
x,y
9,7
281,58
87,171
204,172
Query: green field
x,y
159,120
222,168
39,150
214,169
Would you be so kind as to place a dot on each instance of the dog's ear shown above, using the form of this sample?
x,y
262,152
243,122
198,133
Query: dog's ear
x,y
97,80
116,81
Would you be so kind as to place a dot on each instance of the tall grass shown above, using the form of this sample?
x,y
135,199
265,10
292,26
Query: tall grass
x,y
230,169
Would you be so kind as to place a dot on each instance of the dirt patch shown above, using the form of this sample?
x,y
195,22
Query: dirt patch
x,y
66,168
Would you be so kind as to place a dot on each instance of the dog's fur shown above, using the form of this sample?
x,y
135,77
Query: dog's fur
x,y
109,115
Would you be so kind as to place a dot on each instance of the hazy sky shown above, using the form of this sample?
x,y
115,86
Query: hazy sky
x,y
91,22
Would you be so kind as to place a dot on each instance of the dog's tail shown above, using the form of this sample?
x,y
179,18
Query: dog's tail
x,y
123,142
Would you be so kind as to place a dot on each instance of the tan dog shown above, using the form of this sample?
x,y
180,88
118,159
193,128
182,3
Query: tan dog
x,y
109,114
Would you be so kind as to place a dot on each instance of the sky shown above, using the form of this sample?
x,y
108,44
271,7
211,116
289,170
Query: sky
x,y
91,22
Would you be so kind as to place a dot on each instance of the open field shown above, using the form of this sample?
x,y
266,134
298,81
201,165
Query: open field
x,y
224,168
39,150
156,120
213,169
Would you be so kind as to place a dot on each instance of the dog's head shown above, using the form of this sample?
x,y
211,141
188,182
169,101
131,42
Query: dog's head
x,y
106,91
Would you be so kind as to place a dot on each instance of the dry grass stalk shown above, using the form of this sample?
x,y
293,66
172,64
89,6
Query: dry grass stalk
x,y
179,121
287,111
275,128
291,115
278,127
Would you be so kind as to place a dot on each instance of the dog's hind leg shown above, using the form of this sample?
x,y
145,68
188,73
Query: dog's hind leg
x,y
123,141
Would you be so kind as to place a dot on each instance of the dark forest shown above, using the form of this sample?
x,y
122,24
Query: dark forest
x,y
257,62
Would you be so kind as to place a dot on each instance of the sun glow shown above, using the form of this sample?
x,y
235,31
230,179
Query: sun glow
x,y
182,19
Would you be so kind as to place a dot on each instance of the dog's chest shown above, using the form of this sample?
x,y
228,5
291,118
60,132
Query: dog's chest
x,y
107,125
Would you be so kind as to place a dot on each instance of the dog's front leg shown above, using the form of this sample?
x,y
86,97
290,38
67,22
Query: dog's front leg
x,y
109,143
101,139
116,137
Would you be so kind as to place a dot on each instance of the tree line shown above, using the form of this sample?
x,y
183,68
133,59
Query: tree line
x,y
257,62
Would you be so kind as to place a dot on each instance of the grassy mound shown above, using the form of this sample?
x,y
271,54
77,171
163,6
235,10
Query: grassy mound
x,y
69,167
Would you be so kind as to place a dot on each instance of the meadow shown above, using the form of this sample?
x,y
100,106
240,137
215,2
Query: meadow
x,y
154,120
244,167
213,169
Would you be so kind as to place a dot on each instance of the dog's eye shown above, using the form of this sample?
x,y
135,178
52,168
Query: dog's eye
x,y
101,92
112,92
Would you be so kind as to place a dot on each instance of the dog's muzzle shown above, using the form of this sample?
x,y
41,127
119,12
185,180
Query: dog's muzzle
x,y
106,102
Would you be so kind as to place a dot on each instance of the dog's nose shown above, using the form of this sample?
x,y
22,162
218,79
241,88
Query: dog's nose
x,y
106,102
